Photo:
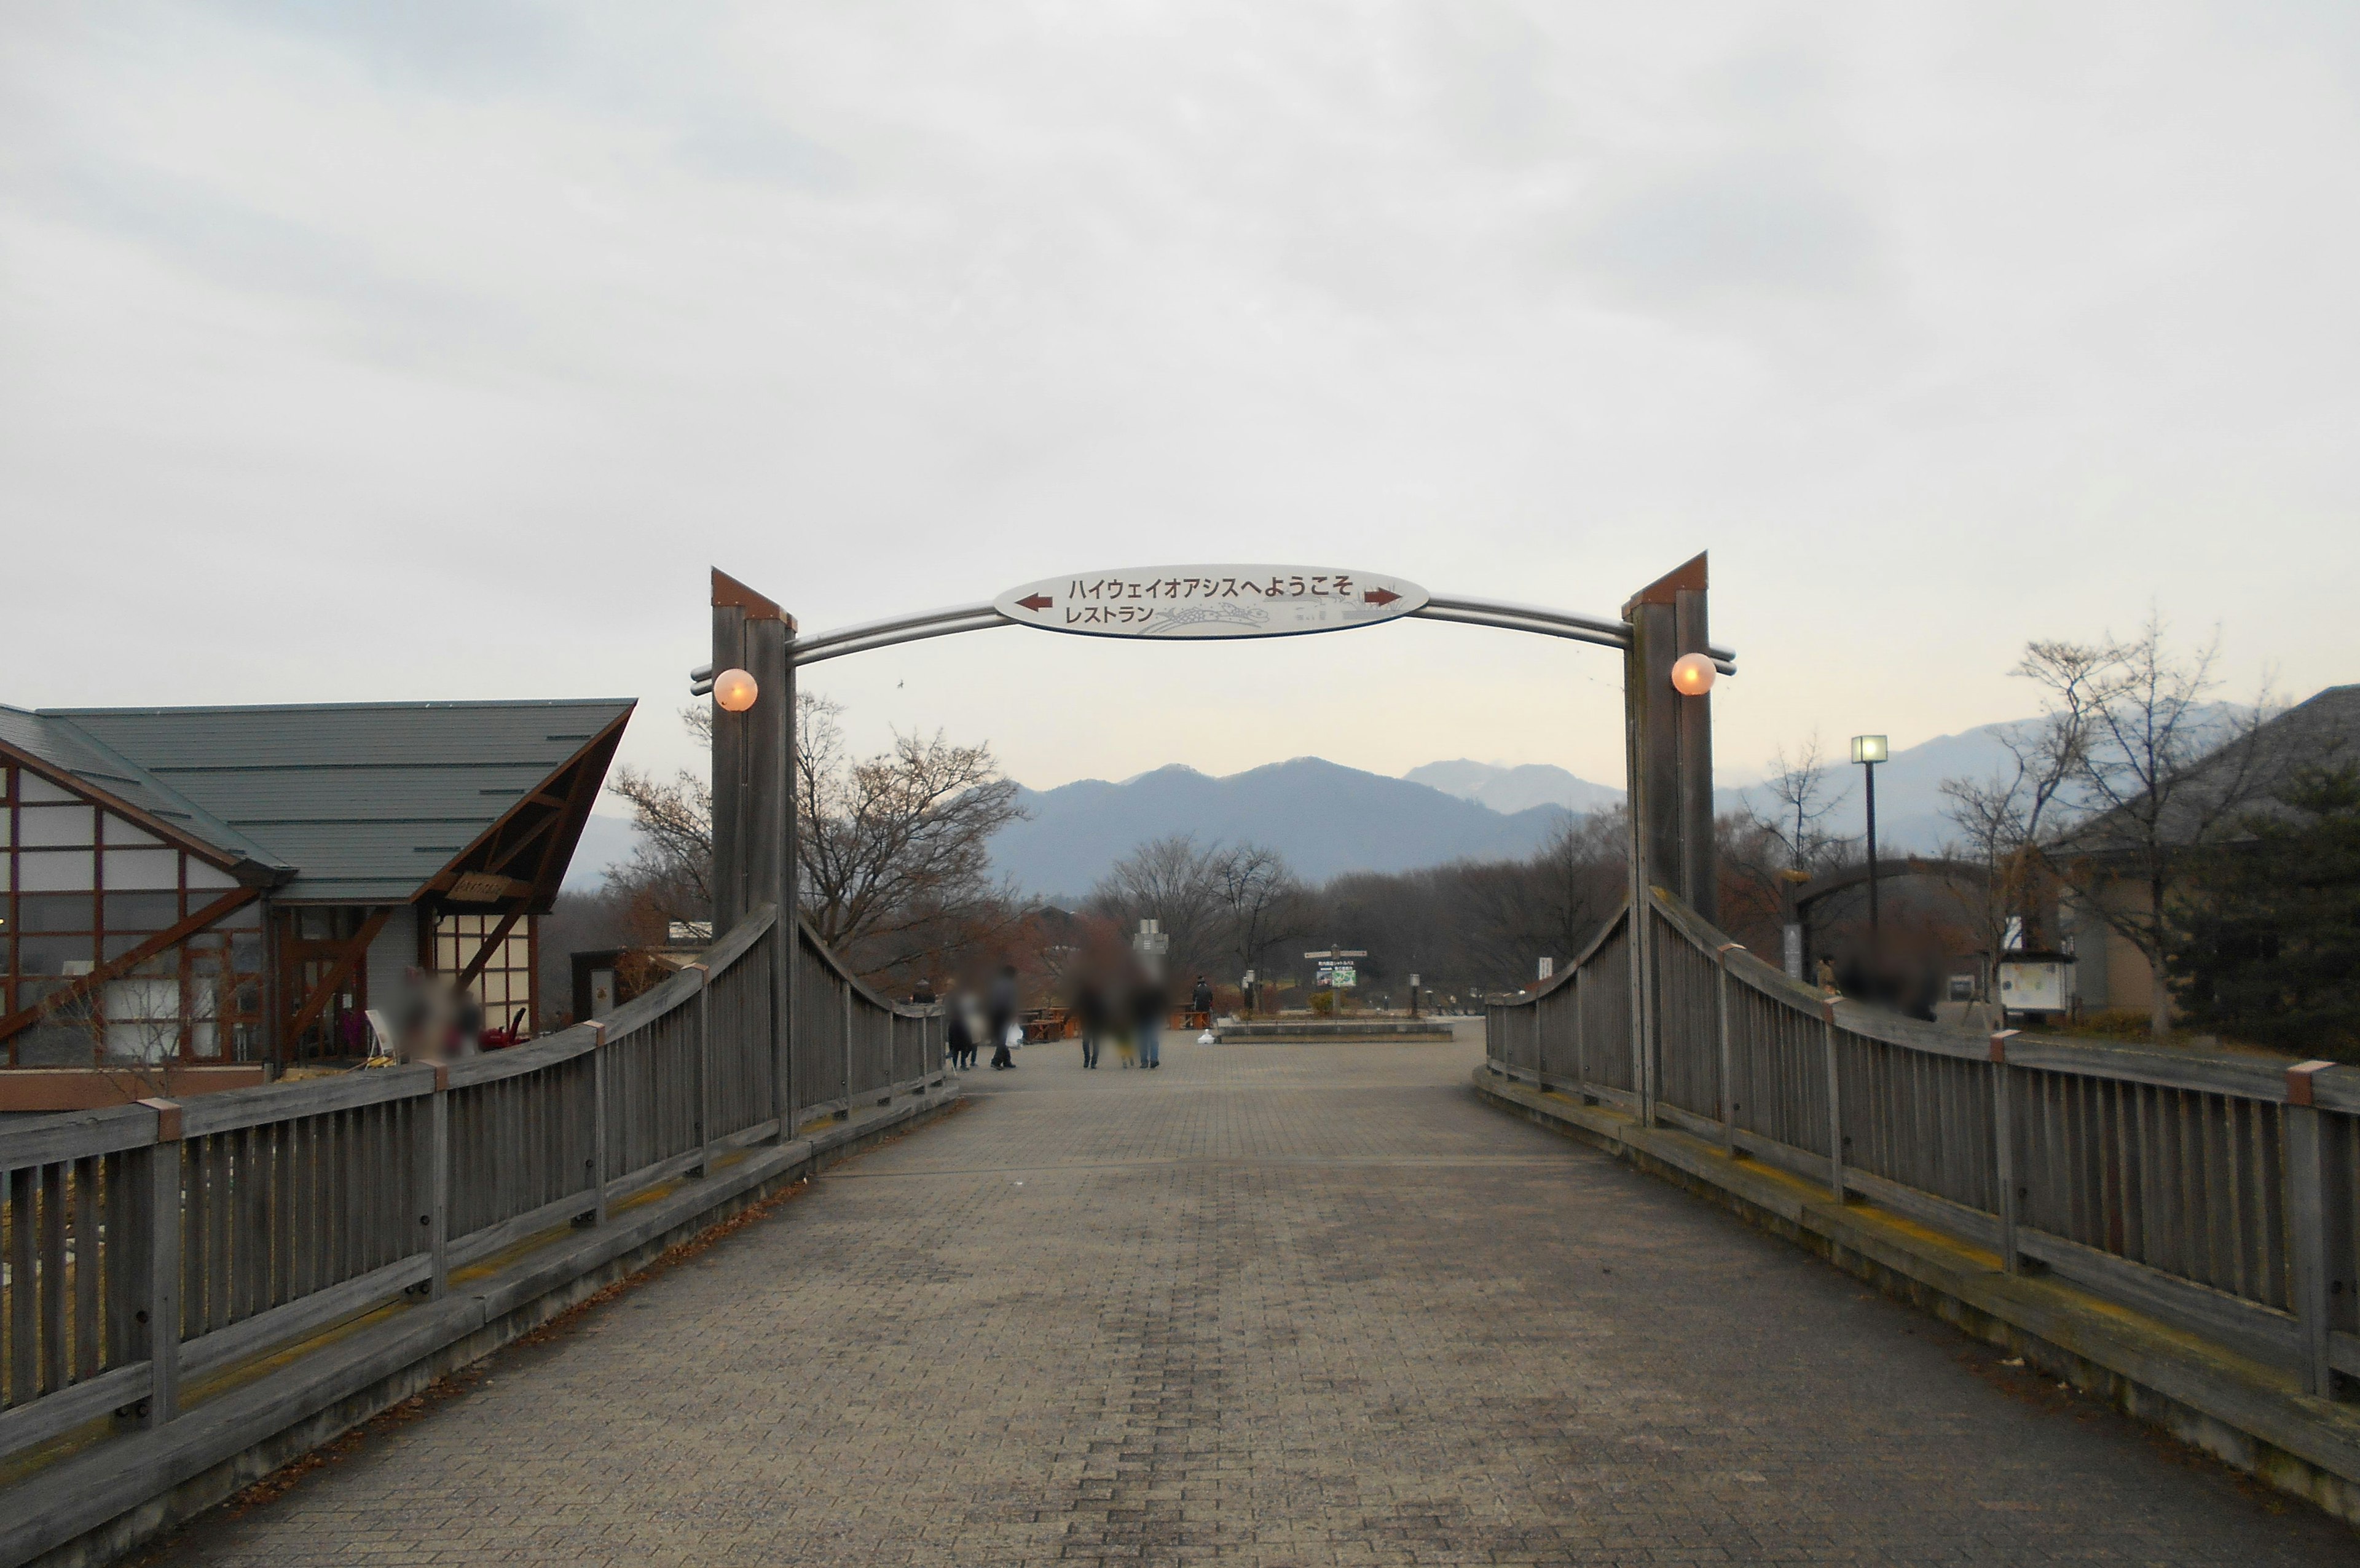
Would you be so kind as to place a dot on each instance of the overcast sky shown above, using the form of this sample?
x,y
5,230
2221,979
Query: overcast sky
x,y
435,351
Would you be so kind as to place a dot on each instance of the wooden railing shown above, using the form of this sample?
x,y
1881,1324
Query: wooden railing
x,y
288,1208
2214,1192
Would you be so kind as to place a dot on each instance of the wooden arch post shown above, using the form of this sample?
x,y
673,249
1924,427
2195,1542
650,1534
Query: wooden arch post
x,y
1669,742
754,853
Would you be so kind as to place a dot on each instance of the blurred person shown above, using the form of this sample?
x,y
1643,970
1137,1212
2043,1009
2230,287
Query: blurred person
x,y
958,1033
1000,1010
1090,1011
427,1019
1148,1006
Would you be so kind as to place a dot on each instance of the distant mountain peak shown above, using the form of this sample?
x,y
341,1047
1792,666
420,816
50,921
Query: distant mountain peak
x,y
1515,787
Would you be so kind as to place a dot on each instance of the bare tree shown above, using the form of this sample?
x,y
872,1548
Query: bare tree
x,y
2001,819
2164,772
1805,796
1578,875
894,848
672,862
1262,904
1176,882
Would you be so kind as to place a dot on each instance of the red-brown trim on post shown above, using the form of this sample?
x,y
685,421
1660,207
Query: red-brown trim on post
x,y
1688,577
2300,1088
729,594
1999,1044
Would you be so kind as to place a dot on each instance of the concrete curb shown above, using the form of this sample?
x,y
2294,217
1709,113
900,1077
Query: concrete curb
x,y
120,1493
2249,1415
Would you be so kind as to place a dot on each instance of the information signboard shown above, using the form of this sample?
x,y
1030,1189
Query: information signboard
x,y
1202,602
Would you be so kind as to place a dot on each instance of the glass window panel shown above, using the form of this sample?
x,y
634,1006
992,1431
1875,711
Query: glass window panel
x,y
120,831
51,955
203,875
53,871
245,917
55,825
48,913
31,787
142,1013
54,1045
141,912
116,946
150,868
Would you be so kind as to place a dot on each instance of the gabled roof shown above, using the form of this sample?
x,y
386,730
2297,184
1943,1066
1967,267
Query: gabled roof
x,y
70,751
364,802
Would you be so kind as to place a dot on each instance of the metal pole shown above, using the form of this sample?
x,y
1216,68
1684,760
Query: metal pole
x,y
1873,944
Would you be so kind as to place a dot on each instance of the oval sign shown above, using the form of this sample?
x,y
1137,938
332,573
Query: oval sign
x,y
1192,602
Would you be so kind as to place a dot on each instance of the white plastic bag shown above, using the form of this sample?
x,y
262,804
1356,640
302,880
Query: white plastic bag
x,y
1206,1039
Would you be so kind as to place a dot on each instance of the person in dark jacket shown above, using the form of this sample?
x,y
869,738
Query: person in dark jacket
x,y
1090,1012
958,1036
1200,1000
1000,1009
1148,1006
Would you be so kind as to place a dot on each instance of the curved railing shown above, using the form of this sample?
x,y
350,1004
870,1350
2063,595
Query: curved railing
x,y
290,1207
2219,1193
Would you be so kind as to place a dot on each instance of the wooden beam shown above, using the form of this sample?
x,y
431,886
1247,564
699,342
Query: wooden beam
x,y
354,952
581,794
23,1017
483,955
603,744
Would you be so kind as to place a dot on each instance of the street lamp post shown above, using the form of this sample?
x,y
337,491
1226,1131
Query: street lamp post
x,y
1868,751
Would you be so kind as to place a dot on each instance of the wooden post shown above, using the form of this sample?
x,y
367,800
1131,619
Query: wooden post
x,y
2004,1149
2307,1225
1699,872
1835,1102
1661,853
1721,1014
755,860
847,1114
598,1160
729,762
438,1186
1580,1033
704,1069
162,1309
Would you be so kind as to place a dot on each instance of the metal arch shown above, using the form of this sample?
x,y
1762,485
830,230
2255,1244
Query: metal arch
x,y
1605,631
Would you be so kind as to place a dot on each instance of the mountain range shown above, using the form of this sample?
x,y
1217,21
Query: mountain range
x,y
1327,819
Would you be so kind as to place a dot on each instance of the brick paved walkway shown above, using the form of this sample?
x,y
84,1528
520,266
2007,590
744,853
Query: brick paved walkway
x,y
1269,1305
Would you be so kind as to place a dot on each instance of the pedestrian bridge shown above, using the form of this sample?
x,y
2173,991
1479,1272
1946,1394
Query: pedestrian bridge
x,y
1276,1303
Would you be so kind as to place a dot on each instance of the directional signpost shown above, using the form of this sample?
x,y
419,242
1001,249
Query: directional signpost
x,y
1200,602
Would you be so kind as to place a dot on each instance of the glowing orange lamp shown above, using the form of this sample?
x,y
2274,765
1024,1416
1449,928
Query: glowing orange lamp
x,y
735,690
1692,674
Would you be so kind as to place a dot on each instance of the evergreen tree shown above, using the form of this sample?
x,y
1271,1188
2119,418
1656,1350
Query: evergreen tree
x,y
2268,930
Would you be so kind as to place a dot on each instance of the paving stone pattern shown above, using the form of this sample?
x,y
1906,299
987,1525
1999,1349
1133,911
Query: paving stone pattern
x,y
1274,1304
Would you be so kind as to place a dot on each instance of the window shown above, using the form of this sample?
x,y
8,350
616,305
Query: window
x,y
81,887
505,985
